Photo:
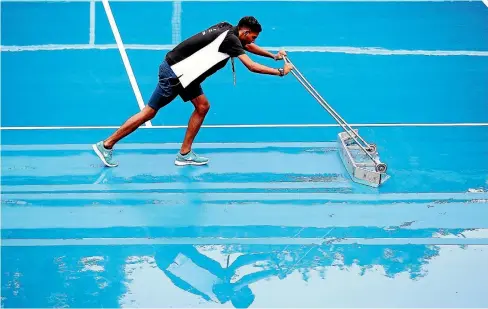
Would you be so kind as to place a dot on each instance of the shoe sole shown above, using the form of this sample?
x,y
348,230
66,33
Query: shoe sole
x,y
179,163
99,154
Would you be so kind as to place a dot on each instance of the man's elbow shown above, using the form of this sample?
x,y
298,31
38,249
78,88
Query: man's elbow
x,y
249,64
253,68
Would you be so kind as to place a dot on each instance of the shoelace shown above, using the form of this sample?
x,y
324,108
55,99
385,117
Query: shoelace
x,y
109,153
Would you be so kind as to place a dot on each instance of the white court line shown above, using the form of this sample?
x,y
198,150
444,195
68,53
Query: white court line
x,y
238,126
174,186
176,23
123,54
318,49
485,2
92,23
364,1
174,146
212,197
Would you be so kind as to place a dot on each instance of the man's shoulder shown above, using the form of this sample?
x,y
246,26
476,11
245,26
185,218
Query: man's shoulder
x,y
224,25
231,44
216,30
219,27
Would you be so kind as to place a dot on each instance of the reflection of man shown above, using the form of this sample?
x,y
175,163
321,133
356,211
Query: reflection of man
x,y
196,273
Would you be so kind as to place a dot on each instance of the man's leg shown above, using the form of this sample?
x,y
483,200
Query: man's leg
x,y
186,156
104,148
134,122
162,95
201,109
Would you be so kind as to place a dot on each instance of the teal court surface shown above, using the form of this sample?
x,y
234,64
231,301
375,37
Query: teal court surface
x,y
274,220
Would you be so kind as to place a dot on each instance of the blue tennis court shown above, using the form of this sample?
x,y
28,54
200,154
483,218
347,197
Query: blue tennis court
x,y
274,220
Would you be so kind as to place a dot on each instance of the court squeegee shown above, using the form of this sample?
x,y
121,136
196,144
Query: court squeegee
x,y
360,158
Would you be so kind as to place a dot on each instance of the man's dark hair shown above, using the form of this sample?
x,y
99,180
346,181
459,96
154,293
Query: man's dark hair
x,y
251,23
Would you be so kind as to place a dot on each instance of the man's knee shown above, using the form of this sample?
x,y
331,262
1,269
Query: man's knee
x,y
202,105
148,113
203,108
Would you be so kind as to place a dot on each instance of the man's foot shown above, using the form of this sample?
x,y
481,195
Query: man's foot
x,y
104,154
190,158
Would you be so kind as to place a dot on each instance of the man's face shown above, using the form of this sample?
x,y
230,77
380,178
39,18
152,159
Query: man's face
x,y
248,37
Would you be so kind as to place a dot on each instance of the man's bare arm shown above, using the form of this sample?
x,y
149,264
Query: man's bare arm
x,y
253,48
262,69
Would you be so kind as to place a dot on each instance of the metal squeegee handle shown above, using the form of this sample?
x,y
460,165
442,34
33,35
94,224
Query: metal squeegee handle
x,y
322,100
333,113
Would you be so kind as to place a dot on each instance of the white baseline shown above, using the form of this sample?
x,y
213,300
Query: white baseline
x,y
239,126
364,1
318,49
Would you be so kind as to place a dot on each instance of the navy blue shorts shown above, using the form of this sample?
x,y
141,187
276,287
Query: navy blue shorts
x,y
169,87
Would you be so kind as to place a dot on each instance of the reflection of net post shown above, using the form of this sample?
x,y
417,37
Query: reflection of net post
x,y
176,23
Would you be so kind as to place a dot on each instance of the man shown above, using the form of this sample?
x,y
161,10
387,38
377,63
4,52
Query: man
x,y
184,69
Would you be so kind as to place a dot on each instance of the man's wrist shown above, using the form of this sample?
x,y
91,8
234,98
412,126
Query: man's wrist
x,y
281,72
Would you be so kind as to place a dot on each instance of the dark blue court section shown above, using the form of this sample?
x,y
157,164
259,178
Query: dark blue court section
x,y
153,22
66,89
407,89
390,25
44,23
59,86
274,221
